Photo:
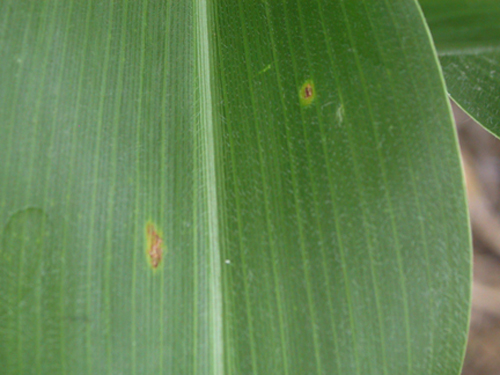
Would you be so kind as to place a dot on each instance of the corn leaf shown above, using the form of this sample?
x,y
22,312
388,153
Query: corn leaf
x,y
467,37
227,187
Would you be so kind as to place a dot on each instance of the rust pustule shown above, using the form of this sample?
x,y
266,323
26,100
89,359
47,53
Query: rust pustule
x,y
308,91
154,247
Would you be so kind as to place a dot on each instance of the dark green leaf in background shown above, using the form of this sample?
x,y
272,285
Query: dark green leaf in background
x,y
467,37
295,162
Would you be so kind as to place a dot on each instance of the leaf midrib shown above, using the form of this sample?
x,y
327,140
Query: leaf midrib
x,y
475,51
204,65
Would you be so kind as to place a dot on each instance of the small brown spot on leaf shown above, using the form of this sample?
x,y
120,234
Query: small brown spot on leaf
x,y
154,245
307,93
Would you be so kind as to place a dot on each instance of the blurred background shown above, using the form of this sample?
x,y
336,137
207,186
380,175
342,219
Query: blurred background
x,y
481,158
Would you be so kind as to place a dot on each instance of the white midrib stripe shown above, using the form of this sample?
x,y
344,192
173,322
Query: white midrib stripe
x,y
207,128
467,51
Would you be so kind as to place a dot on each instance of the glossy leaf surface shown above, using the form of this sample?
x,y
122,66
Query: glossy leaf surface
x,y
227,187
467,37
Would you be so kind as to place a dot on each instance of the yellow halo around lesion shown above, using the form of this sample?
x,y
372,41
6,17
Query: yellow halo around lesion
x,y
307,93
154,245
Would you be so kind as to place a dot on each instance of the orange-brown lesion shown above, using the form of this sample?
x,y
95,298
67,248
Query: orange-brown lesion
x,y
154,248
308,91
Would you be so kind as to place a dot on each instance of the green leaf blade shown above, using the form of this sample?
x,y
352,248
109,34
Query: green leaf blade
x,y
295,162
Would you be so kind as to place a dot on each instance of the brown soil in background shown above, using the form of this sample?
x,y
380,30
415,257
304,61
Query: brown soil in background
x,y
481,159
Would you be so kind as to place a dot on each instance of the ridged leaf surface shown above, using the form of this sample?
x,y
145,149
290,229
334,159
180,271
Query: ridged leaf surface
x,y
227,187
467,37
